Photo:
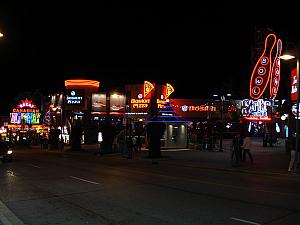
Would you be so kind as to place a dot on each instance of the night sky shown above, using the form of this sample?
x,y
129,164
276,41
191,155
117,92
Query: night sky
x,y
199,49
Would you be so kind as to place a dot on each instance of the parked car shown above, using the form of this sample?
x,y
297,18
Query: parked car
x,y
6,152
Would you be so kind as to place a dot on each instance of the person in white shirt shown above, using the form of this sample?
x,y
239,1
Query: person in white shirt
x,y
247,146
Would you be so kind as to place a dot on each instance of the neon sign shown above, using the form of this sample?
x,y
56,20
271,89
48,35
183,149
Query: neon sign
x,y
275,74
169,90
258,118
255,107
266,69
26,103
25,113
148,87
294,84
79,82
199,108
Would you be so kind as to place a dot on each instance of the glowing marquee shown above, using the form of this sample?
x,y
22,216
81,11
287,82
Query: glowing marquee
x,y
267,69
25,113
255,108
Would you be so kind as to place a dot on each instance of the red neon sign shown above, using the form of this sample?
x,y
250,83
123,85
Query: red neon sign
x,y
169,90
258,118
294,84
275,74
262,71
148,87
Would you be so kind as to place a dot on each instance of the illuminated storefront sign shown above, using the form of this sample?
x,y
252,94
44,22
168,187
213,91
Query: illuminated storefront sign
x,y
140,96
148,87
25,113
117,103
74,97
198,108
294,85
255,109
98,103
258,118
161,104
193,108
169,90
267,69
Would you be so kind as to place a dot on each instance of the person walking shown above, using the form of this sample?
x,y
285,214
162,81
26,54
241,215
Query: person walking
x,y
247,146
130,146
139,143
236,151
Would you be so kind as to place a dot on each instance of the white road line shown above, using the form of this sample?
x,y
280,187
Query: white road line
x,y
77,178
245,221
7,217
34,166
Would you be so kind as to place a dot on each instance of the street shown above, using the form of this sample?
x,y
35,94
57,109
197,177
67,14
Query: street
x,y
51,187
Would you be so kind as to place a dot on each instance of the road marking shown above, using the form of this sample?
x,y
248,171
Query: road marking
x,y
34,166
77,178
245,221
7,217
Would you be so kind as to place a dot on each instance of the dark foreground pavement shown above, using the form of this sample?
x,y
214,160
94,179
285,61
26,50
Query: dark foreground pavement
x,y
183,187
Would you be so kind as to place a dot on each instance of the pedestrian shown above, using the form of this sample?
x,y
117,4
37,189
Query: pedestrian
x,y
236,150
139,143
130,146
247,146
42,143
293,154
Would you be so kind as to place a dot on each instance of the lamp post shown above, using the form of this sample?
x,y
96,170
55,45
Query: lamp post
x,y
1,35
288,56
222,98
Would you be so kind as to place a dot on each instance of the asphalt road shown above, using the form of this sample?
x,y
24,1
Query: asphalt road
x,y
46,188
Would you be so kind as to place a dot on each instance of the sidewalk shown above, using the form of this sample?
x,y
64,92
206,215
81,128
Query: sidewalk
x,y
268,160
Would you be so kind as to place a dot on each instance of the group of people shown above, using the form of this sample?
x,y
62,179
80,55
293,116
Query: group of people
x,y
241,147
134,144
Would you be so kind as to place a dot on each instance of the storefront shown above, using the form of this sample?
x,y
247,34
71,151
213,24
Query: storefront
x,y
76,109
149,102
206,120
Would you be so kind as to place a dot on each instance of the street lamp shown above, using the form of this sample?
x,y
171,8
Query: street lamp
x,y
1,35
222,98
287,56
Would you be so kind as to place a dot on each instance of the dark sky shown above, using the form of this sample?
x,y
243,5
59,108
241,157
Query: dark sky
x,y
199,49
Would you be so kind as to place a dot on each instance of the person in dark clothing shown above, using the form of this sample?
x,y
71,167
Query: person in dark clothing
x,y
130,146
139,143
236,150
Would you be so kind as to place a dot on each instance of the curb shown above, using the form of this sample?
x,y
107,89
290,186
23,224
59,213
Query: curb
x,y
7,217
